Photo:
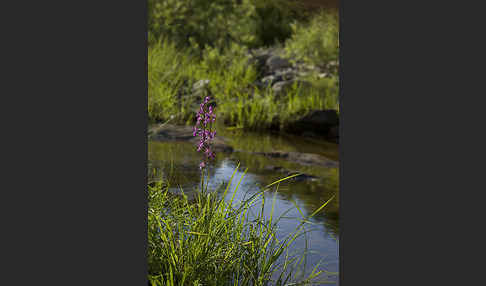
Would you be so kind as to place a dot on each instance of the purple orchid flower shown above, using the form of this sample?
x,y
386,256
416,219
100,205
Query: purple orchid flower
x,y
204,129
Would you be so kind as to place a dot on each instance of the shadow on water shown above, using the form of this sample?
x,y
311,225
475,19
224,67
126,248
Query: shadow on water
x,y
177,162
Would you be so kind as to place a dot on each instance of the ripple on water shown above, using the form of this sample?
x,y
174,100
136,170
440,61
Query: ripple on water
x,y
178,162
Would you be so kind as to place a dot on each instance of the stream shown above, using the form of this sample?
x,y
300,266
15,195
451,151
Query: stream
x,y
177,162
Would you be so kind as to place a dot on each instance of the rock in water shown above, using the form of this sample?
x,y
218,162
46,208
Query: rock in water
x,y
334,133
308,159
317,121
170,132
312,159
322,117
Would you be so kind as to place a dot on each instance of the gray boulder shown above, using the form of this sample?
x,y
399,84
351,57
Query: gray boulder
x,y
286,74
259,58
276,62
271,79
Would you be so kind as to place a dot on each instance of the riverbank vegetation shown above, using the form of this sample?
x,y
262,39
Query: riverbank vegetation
x,y
262,64
199,48
213,241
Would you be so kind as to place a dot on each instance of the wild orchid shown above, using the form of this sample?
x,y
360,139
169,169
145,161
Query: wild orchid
x,y
204,129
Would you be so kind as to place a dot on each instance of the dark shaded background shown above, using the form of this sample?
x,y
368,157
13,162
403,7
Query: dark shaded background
x,y
312,4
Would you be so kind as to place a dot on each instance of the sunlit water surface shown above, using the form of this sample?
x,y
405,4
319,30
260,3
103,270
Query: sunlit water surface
x,y
178,163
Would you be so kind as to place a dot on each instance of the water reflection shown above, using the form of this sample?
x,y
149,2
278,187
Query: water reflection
x,y
177,162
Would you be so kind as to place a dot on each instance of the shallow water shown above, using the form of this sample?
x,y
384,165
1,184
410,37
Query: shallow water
x,y
178,163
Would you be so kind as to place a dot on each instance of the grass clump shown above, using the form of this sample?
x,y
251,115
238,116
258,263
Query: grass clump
x,y
230,73
317,41
170,74
263,109
210,241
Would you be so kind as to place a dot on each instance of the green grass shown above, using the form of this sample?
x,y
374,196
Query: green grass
x,y
213,241
172,72
263,110
186,47
316,41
